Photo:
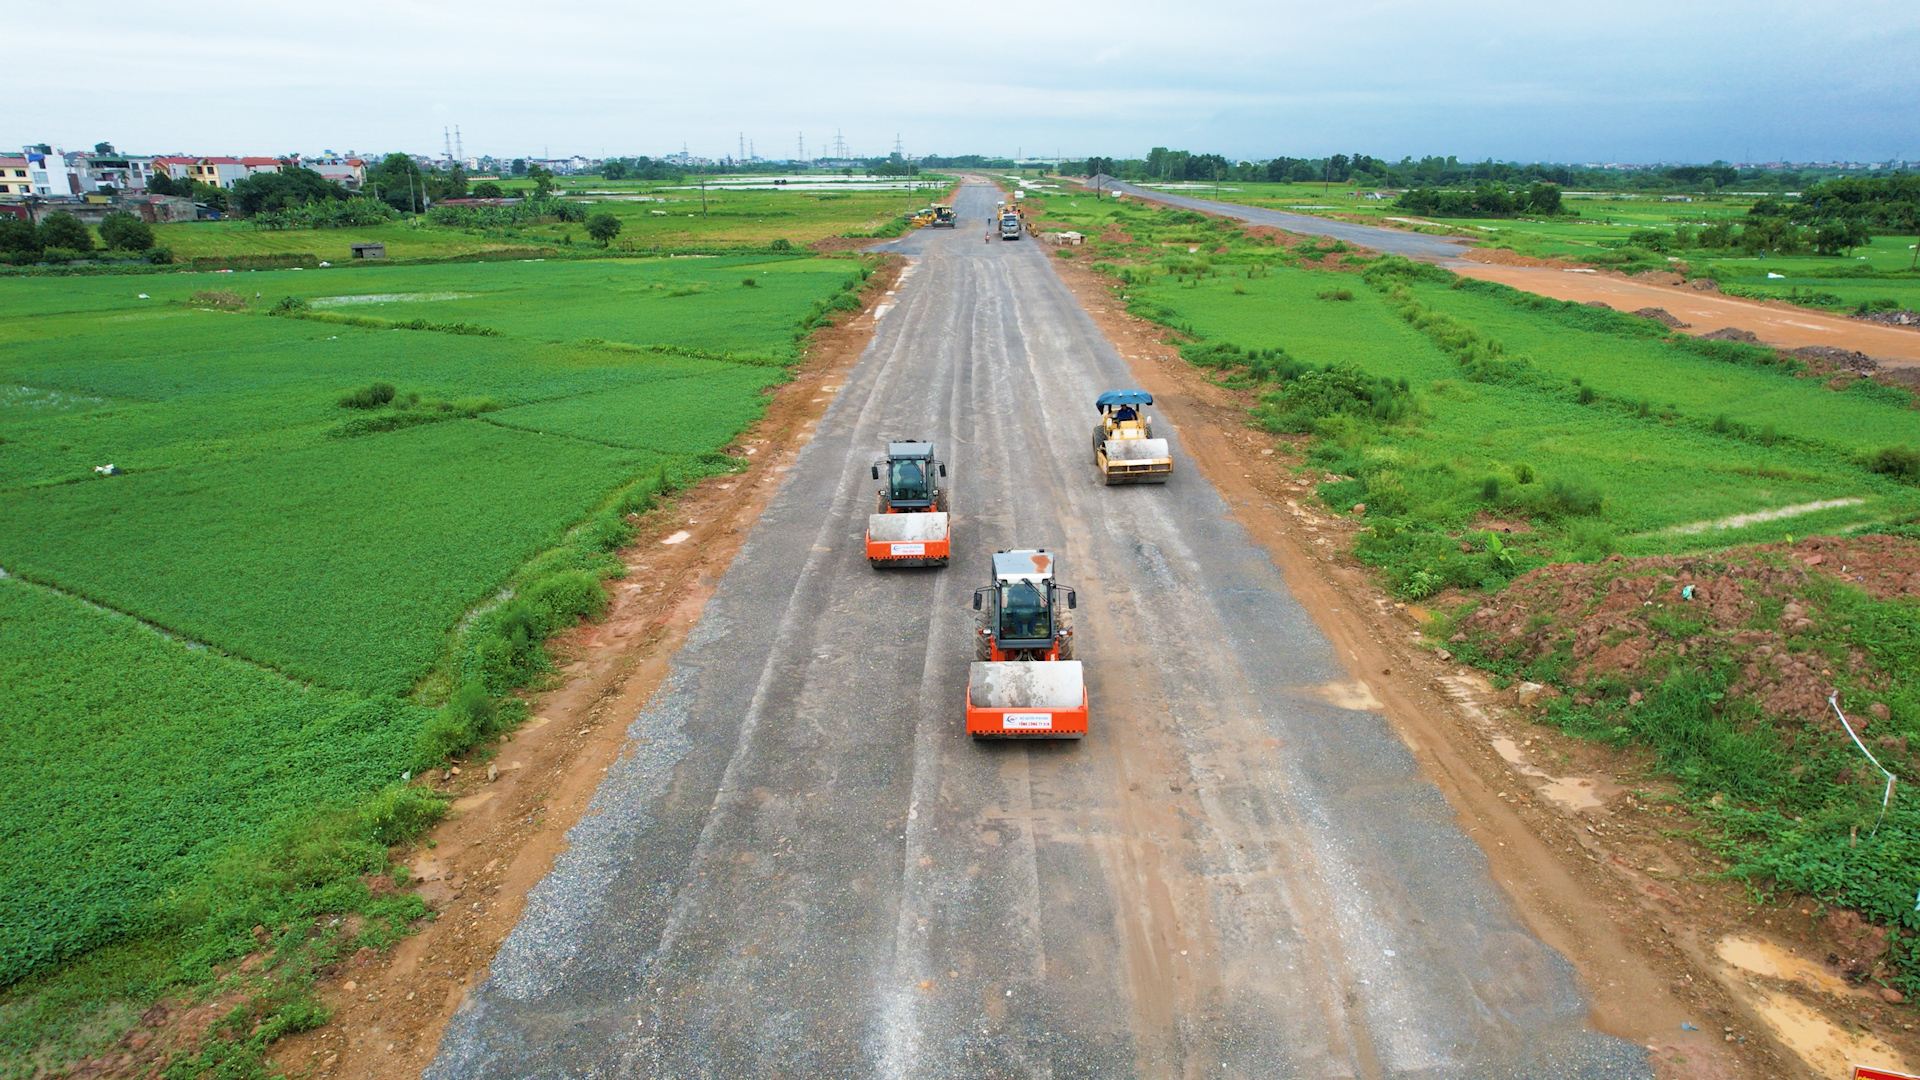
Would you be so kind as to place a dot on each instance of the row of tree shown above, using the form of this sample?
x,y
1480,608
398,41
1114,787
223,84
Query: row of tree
x,y
1366,171
1486,199
62,236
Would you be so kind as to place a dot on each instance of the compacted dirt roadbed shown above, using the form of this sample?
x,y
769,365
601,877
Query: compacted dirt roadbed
x,y
802,867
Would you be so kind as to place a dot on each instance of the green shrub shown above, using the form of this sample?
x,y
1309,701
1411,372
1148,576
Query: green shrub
x,y
292,305
1900,462
1586,395
1571,497
565,598
467,717
1337,294
398,812
608,531
1314,396
64,231
1592,541
368,397
780,244
751,283
124,232
603,227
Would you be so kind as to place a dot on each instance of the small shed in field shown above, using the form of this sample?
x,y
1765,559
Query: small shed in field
x,y
369,251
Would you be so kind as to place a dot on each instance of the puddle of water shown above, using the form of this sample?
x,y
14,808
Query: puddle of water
x,y
1826,1048
386,298
1511,751
1739,521
1765,958
1355,695
680,537
1574,792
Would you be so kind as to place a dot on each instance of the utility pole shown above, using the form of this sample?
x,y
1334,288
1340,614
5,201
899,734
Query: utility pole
x,y
743,146
703,195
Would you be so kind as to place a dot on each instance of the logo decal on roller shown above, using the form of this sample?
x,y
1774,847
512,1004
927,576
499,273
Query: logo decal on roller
x,y
909,549
1027,721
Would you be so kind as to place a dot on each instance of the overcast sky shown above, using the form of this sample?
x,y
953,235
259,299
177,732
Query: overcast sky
x,y
1624,80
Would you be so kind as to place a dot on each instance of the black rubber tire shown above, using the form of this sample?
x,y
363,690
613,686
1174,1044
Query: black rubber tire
x,y
879,502
982,645
1066,643
939,500
1098,430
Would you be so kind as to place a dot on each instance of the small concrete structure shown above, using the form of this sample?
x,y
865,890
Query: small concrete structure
x,y
369,251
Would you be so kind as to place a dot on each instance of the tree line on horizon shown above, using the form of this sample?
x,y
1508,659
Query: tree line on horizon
x,y
1367,172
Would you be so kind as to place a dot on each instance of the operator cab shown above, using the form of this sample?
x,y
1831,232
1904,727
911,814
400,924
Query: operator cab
x,y
1025,614
910,474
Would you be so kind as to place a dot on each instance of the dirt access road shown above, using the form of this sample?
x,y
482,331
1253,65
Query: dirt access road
x,y
802,867
1781,325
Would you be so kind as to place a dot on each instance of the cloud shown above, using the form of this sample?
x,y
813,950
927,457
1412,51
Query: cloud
x,y
1629,80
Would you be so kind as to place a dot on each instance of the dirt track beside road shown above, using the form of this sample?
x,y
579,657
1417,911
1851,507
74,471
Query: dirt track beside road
x,y
1783,326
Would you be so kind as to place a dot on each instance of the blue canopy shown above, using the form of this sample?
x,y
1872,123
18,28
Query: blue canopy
x,y
1114,398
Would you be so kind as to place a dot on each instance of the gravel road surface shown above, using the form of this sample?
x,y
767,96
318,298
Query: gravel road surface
x,y
1393,241
803,868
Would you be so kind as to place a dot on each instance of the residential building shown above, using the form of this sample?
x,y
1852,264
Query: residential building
x,y
47,173
121,172
217,171
257,165
174,165
13,177
349,173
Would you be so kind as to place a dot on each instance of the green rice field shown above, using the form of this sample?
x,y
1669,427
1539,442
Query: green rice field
x,y
1669,439
236,627
652,215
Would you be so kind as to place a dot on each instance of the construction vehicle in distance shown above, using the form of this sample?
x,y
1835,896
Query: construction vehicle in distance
x,y
909,524
943,217
1009,223
1024,682
1123,444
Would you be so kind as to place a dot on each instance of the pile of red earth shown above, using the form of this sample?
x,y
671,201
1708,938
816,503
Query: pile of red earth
x,y
1636,621
1908,317
1837,359
1732,333
1662,315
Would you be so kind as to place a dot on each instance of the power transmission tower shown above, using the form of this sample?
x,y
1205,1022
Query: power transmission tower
x,y
743,146
803,147
446,139
459,151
